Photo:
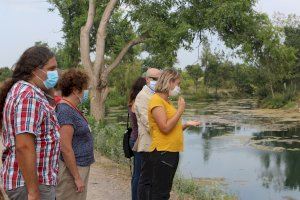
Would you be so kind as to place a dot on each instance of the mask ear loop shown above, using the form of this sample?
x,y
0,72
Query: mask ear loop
x,y
77,96
38,77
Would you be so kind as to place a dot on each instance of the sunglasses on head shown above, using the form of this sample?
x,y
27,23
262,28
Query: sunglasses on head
x,y
154,78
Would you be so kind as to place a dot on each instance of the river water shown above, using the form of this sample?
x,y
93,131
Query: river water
x,y
253,157
221,149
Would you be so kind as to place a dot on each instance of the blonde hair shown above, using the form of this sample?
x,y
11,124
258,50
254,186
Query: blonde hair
x,y
163,82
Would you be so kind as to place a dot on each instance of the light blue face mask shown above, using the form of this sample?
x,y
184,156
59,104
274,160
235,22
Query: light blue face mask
x,y
52,79
85,96
152,85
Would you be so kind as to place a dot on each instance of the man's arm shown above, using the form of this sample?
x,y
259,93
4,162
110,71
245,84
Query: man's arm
x,y
26,157
141,110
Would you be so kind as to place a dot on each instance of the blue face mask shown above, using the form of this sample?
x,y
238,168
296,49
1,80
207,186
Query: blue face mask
x,y
152,85
52,79
85,96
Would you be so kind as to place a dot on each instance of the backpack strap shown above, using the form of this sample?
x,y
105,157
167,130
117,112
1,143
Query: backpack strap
x,y
127,123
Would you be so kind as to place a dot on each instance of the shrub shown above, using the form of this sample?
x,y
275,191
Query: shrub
x,y
108,140
115,99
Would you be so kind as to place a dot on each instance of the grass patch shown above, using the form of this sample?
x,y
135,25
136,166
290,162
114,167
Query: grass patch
x,y
290,105
189,188
278,101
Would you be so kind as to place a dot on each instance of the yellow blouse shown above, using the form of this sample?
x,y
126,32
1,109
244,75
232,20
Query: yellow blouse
x,y
172,141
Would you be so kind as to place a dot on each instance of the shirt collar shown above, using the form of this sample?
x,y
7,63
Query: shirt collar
x,y
35,88
148,89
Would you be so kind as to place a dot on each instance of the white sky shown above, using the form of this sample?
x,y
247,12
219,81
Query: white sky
x,y
24,22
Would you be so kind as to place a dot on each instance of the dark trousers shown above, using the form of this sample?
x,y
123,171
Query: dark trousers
x,y
137,160
164,169
144,188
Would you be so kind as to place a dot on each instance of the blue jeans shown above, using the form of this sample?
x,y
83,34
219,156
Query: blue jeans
x,y
136,171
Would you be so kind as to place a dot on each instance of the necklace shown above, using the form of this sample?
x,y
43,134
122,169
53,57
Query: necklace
x,y
75,108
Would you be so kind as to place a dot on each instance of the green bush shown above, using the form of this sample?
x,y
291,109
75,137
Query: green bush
x,y
262,92
5,73
108,140
277,101
115,99
202,94
280,99
290,105
85,107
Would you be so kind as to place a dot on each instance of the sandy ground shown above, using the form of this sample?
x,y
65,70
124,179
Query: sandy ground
x,y
108,181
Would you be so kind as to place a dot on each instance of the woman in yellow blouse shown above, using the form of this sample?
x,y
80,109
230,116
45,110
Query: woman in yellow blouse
x,y
166,130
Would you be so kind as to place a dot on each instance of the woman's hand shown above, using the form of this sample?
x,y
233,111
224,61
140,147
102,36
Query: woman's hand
x,y
79,185
193,123
181,105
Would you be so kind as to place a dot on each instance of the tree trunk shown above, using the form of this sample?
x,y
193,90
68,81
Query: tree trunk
x,y
272,90
97,70
98,102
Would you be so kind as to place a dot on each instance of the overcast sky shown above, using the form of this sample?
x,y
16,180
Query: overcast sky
x,y
24,22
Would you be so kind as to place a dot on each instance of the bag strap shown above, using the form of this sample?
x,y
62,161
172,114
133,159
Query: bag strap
x,y
127,120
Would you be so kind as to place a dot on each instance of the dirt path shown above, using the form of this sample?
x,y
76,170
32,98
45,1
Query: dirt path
x,y
108,181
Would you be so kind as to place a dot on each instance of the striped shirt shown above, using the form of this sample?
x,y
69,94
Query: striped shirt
x,y
27,110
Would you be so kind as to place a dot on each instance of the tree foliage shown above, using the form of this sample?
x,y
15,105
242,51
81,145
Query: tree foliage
x,y
161,27
5,73
195,72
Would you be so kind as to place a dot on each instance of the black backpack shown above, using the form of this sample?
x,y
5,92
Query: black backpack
x,y
126,137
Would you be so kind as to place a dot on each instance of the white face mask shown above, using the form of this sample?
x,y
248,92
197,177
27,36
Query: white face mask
x,y
152,85
175,91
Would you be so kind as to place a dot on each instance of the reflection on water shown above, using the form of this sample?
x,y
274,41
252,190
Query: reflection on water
x,y
217,150
281,170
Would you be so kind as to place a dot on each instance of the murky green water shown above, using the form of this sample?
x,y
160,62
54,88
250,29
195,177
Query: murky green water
x,y
249,173
222,148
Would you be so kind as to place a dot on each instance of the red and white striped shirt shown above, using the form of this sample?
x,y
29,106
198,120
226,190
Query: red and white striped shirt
x,y
27,110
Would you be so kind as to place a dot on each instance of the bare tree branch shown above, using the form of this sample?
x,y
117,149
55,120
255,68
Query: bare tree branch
x,y
123,53
85,39
101,36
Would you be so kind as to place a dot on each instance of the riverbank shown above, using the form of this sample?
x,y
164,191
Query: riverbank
x,y
243,112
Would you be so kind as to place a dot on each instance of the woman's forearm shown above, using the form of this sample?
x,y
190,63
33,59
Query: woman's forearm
x,y
70,161
172,122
